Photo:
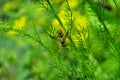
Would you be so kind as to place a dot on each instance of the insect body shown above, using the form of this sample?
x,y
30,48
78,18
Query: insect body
x,y
62,40
60,33
61,37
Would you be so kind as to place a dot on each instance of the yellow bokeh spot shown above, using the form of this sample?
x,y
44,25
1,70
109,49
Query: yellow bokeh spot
x,y
39,9
20,23
80,19
75,39
56,23
73,3
62,17
11,33
41,20
7,6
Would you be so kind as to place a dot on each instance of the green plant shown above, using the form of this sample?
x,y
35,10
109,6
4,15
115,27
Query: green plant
x,y
84,49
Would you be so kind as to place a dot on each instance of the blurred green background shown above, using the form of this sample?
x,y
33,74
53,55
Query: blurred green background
x,y
22,58
26,58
